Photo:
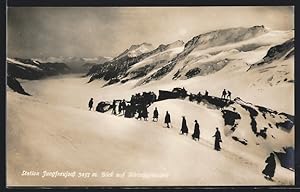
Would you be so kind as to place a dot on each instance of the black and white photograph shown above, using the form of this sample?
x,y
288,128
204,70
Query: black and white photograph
x,y
150,96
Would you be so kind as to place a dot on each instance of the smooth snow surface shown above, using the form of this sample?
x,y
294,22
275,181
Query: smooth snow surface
x,y
54,131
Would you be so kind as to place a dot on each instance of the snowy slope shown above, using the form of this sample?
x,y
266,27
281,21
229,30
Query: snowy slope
x,y
200,60
154,62
113,71
121,144
136,50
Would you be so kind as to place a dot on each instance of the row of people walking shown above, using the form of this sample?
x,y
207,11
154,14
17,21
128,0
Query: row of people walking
x,y
268,171
184,129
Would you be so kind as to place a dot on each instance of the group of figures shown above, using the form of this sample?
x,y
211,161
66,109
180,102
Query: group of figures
x,y
196,134
138,104
226,94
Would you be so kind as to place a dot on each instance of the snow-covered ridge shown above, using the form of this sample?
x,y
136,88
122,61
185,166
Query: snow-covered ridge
x,y
136,50
203,55
211,52
113,71
31,69
284,50
15,61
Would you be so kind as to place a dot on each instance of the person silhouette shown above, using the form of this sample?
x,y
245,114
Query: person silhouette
x,y
155,115
91,104
123,105
206,93
217,139
229,95
269,170
184,127
223,94
167,119
196,134
145,113
114,107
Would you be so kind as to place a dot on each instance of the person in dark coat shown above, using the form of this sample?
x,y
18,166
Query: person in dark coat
x,y
196,134
91,103
123,104
206,93
217,139
139,111
223,94
167,119
229,95
184,127
114,107
270,167
119,107
155,114
145,113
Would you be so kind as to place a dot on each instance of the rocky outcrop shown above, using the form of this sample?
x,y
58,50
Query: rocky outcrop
x,y
32,70
285,50
118,67
15,85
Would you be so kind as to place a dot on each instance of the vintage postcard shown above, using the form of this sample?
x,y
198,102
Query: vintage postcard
x,y
150,96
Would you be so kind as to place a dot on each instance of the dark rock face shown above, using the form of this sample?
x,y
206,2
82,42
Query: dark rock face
x,y
253,114
118,67
15,85
288,124
230,117
33,71
193,72
277,52
286,158
19,71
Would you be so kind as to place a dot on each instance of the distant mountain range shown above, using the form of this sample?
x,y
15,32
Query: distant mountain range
x,y
38,68
202,55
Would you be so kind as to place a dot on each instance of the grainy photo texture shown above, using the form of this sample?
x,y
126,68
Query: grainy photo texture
x,y
150,96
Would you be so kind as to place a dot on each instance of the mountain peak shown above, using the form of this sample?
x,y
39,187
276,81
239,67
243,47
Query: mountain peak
x,y
136,50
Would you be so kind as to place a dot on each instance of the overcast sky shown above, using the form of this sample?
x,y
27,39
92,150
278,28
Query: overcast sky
x,y
100,31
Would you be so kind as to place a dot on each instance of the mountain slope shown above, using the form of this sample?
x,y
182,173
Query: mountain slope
x,y
145,148
277,52
203,55
117,68
136,50
32,69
